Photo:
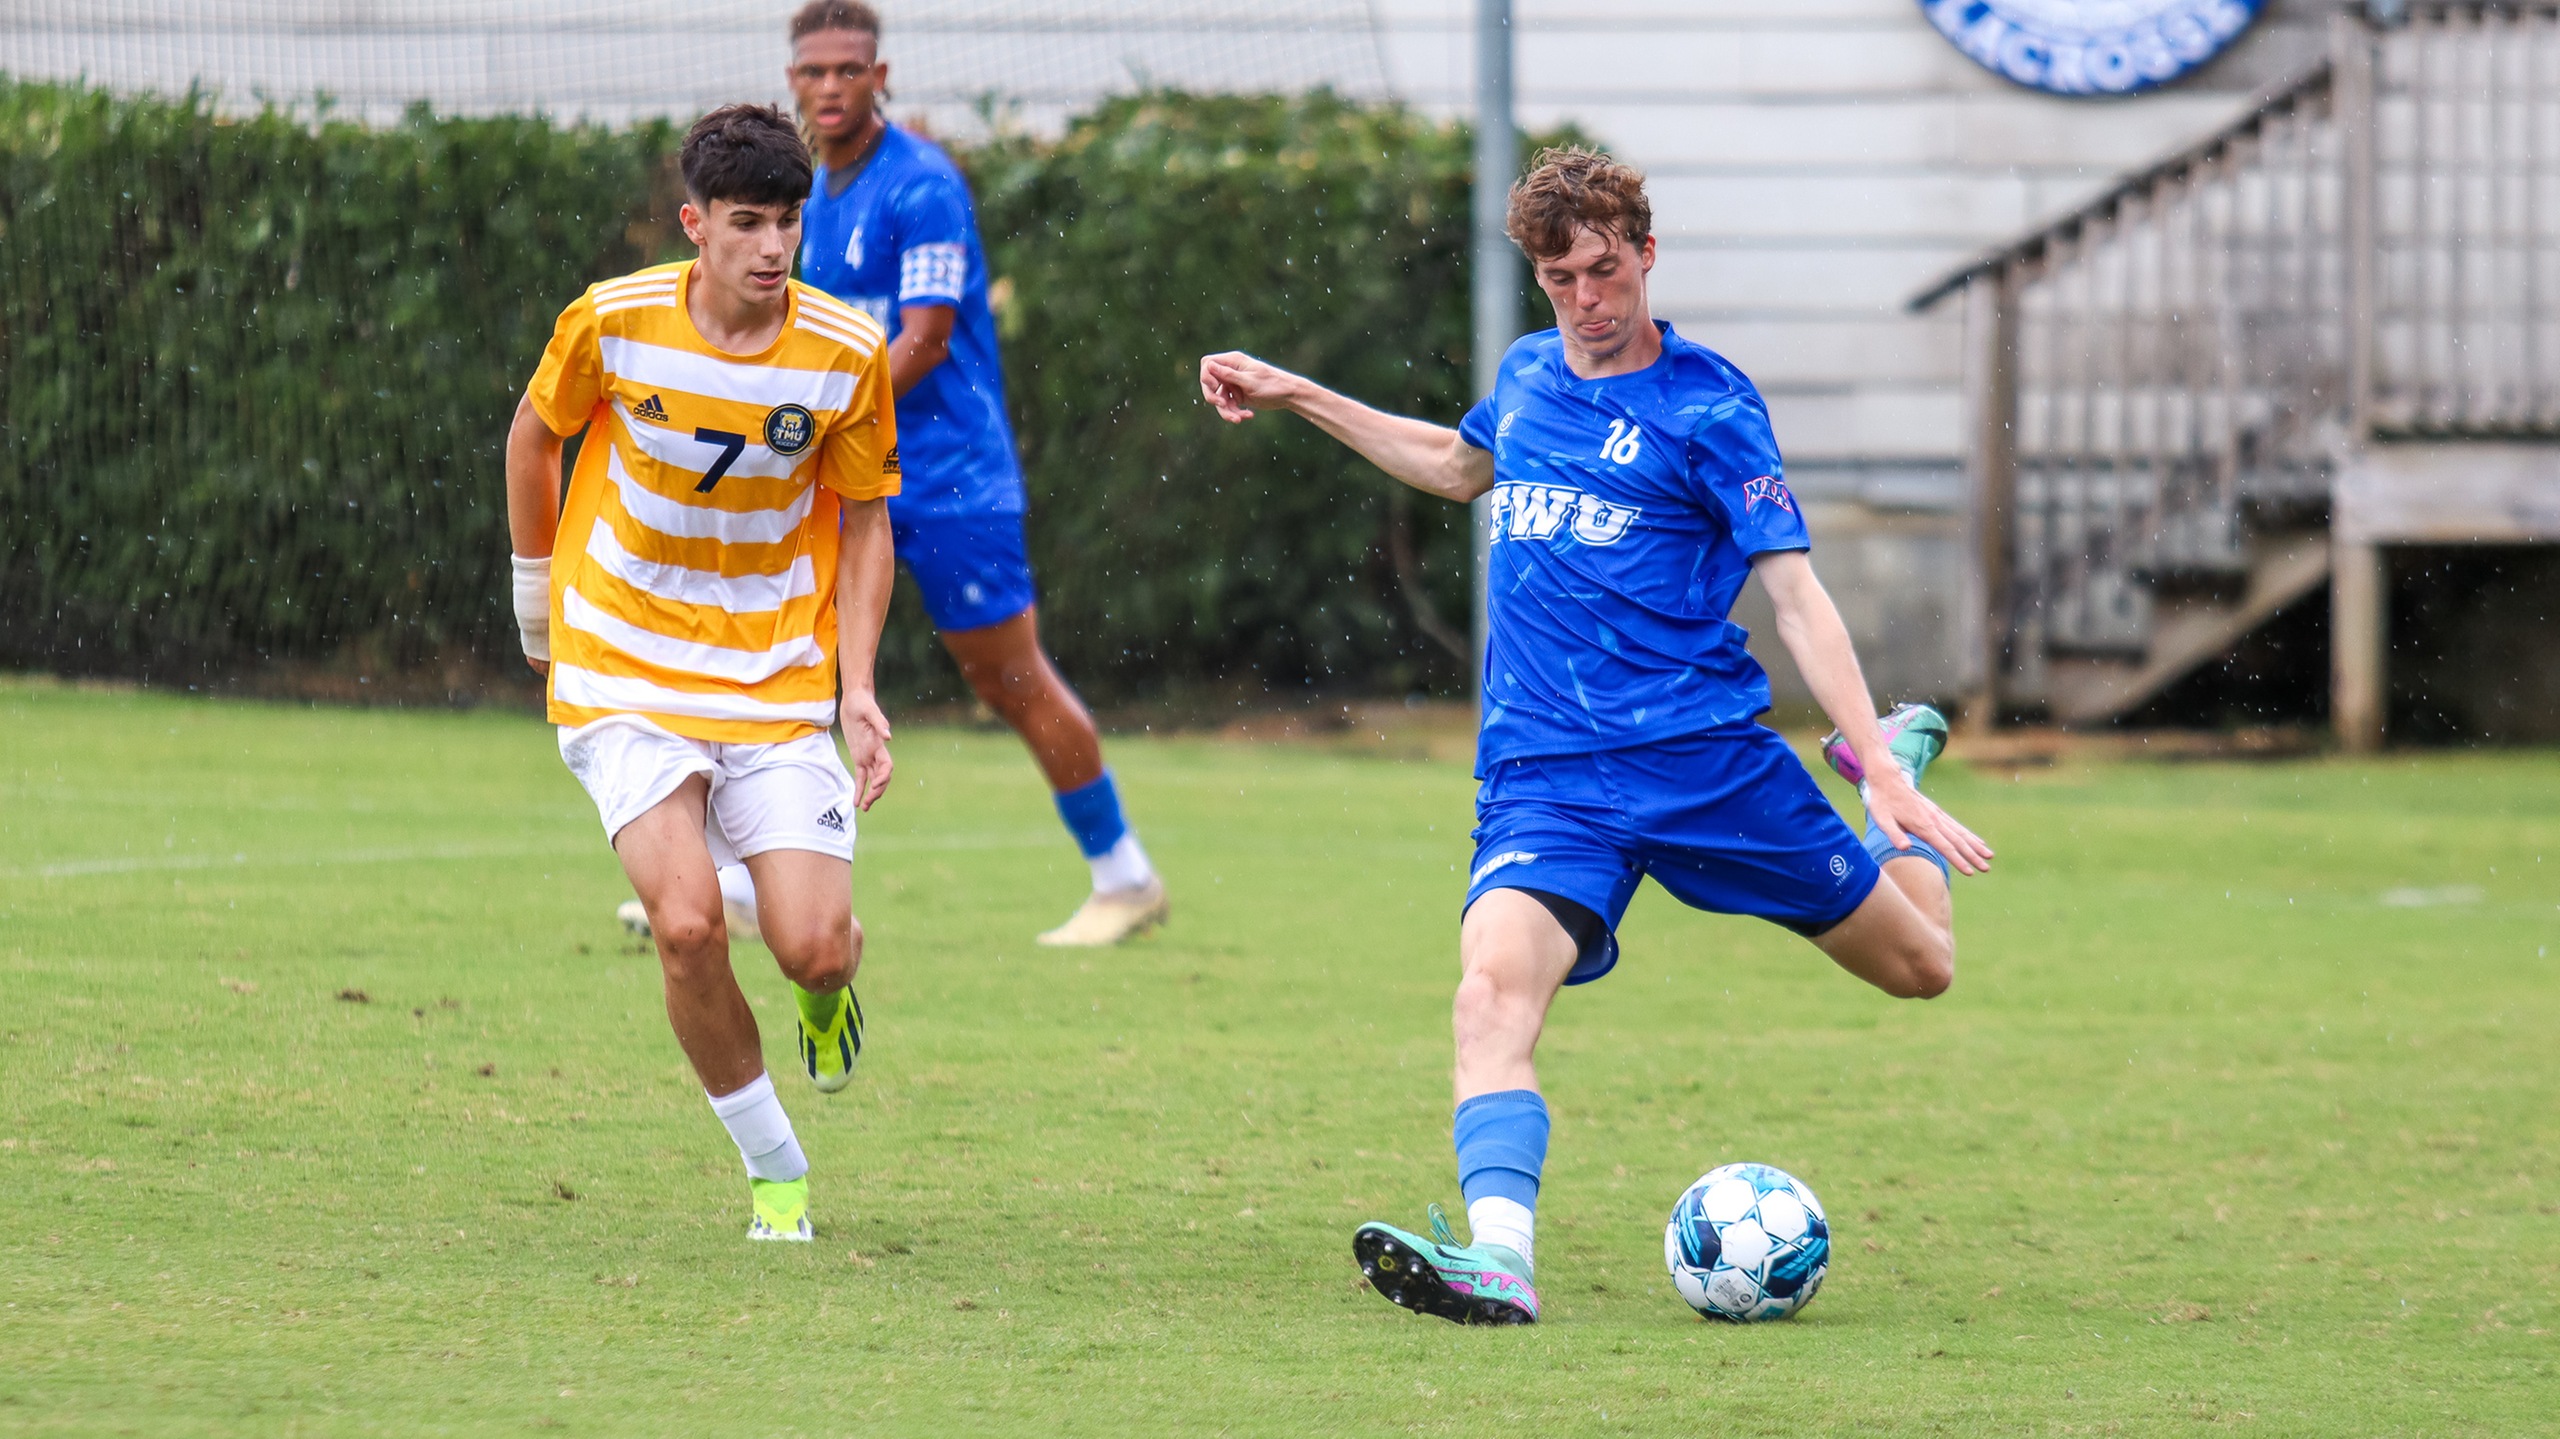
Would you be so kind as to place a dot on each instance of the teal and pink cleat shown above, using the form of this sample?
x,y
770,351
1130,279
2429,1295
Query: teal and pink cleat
x,y
1916,734
1465,1284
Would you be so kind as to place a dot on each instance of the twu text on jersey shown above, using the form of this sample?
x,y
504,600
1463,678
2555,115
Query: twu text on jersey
x,y
1626,512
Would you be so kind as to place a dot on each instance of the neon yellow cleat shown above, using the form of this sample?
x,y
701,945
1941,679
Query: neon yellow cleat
x,y
1107,919
829,1051
782,1210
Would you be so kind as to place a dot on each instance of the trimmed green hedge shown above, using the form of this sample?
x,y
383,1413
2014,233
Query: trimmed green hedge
x,y
1325,236
255,376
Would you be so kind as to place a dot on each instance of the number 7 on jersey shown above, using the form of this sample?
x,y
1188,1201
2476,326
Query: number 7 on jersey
x,y
731,443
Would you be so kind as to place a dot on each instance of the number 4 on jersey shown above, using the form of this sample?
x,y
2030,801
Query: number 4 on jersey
x,y
1623,443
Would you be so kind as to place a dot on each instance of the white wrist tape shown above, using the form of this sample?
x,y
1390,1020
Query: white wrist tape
x,y
533,605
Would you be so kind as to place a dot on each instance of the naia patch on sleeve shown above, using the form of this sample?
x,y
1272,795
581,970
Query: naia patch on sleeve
x,y
1769,488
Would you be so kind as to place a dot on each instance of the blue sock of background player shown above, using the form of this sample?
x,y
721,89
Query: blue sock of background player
x,y
1092,815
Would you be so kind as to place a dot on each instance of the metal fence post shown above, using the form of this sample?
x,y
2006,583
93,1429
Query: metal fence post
x,y
1494,262
2359,576
1991,489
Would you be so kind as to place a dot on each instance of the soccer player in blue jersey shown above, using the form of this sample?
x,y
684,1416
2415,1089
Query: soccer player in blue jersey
x,y
890,228
1636,485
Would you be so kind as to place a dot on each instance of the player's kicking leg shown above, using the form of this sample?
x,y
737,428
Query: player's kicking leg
x,y
810,928
1514,954
805,945
1727,822
1005,665
1902,940
669,863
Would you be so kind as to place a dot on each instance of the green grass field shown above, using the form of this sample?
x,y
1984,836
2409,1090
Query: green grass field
x,y
331,1102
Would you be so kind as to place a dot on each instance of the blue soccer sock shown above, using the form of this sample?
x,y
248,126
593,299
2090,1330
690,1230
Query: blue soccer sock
x,y
1502,1148
1882,849
1092,815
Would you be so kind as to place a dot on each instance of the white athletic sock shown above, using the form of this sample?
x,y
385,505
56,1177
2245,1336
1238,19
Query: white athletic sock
x,y
763,1132
1868,804
738,887
1507,1222
1906,774
1121,868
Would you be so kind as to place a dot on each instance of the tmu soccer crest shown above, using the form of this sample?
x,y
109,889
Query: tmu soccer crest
x,y
2091,47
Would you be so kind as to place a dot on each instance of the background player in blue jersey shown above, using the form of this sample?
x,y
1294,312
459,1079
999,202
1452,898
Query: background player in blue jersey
x,y
890,228
1636,485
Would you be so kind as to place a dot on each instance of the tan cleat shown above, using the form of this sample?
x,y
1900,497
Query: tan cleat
x,y
1107,919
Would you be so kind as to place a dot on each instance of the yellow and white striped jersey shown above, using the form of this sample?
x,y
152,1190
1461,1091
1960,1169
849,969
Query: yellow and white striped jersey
x,y
694,579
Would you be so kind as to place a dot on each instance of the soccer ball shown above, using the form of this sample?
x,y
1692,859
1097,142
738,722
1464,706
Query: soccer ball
x,y
1747,1242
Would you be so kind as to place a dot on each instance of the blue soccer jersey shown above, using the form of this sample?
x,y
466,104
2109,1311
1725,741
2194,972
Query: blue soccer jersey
x,y
903,231
1626,511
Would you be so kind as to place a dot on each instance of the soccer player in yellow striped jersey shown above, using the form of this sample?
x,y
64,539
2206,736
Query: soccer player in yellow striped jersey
x,y
708,602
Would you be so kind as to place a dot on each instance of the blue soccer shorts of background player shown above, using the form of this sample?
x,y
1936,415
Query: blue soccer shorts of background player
x,y
1636,486
890,229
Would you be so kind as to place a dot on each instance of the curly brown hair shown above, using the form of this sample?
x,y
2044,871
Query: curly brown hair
x,y
820,15
1569,190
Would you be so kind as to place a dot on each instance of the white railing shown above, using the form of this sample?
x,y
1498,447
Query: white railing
x,y
2371,252
2466,156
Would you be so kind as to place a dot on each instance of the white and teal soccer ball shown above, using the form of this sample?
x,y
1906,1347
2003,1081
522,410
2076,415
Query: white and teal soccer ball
x,y
1747,1242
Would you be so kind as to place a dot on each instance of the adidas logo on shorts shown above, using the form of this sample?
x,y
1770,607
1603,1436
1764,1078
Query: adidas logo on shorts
x,y
833,819
651,408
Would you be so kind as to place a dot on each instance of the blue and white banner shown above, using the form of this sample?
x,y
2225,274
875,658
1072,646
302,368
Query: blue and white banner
x,y
2091,47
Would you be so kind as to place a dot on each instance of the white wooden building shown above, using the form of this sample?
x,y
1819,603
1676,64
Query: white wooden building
x,y
1814,165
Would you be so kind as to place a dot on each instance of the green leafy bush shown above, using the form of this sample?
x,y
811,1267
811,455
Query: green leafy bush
x,y
255,376
1325,236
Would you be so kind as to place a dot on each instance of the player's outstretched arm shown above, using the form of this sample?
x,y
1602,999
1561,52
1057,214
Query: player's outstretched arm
x,y
533,526
1431,458
1810,627
865,570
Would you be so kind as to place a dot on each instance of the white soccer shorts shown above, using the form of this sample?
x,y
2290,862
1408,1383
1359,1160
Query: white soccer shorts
x,y
793,795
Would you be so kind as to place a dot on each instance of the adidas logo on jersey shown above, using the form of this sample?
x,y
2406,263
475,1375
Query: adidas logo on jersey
x,y
651,408
833,819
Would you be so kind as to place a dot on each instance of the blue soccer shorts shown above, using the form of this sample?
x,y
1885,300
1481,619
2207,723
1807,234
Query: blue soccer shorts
x,y
1727,821
973,570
